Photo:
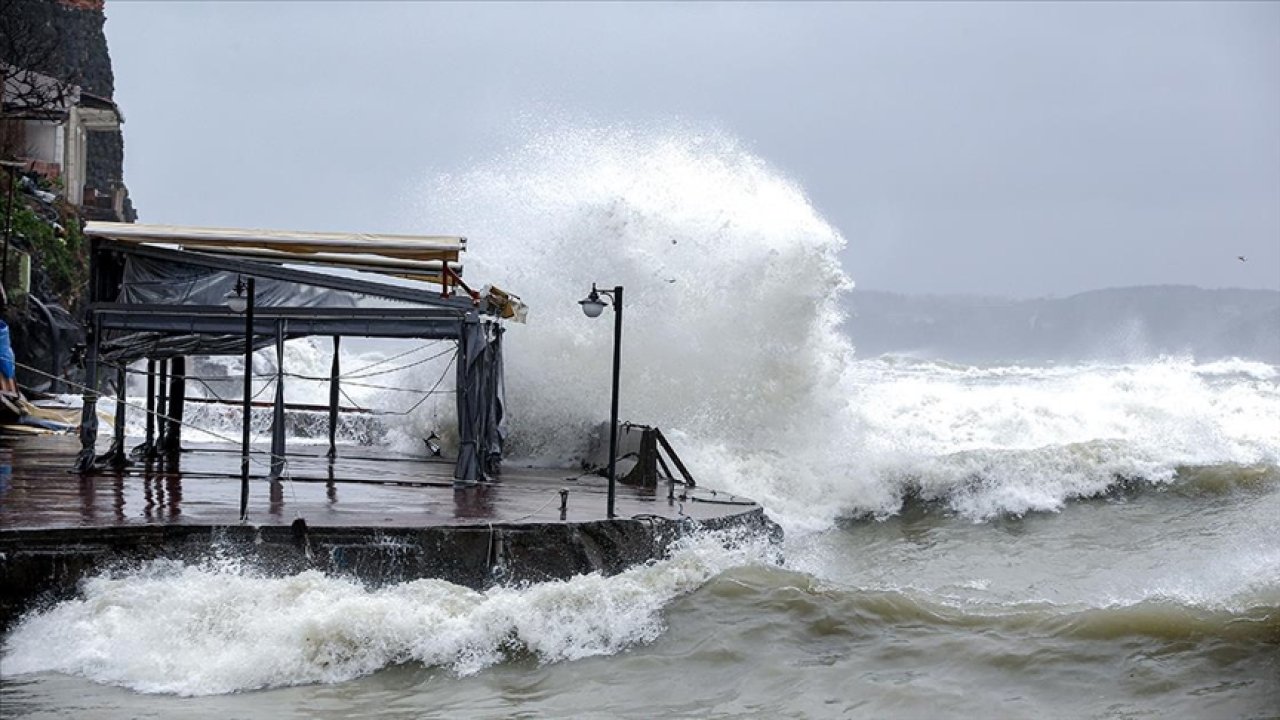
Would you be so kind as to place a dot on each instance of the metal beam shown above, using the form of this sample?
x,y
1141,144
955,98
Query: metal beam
x,y
177,323
246,267
364,263
144,233
281,312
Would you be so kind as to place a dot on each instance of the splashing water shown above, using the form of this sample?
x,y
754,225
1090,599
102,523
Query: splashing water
x,y
731,278
732,344
218,627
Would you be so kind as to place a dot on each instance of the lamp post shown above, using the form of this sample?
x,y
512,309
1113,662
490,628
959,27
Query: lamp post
x,y
592,306
240,300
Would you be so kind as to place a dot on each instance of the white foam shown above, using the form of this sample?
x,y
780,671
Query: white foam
x,y
732,345
217,628
741,359
1020,439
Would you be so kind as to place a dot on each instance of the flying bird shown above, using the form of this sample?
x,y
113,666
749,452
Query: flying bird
x,y
1241,258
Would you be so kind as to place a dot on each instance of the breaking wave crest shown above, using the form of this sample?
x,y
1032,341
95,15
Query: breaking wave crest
x,y
989,441
732,345
219,627
1251,618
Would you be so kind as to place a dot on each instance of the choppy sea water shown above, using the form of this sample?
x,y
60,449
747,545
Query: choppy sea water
x,y
1091,540
1160,602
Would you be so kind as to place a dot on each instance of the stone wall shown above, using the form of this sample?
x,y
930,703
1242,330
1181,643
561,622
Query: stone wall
x,y
75,32
76,29
42,566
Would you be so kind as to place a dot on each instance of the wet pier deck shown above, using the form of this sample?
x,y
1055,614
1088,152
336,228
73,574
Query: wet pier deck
x,y
378,516
359,489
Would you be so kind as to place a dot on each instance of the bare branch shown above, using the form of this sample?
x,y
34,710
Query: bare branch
x,y
30,46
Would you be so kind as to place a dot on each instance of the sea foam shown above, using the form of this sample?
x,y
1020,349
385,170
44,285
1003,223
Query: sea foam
x,y
732,343
218,627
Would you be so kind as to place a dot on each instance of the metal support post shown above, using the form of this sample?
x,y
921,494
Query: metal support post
x,y
177,402
248,399
613,414
89,411
334,390
277,409
149,445
162,404
116,456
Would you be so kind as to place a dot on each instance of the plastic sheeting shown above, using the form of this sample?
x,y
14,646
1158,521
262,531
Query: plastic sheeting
x,y
495,422
481,402
123,349
46,339
158,282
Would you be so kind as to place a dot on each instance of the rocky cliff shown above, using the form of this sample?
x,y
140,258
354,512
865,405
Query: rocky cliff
x,y
62,39
73,30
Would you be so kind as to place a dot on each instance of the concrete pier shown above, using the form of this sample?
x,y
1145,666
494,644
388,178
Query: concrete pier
x,y
375,516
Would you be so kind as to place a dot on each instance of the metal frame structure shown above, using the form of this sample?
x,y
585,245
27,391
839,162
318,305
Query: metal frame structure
x,y
166,332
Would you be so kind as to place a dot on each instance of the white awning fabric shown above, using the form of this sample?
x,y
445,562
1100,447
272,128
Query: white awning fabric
x,y
321,247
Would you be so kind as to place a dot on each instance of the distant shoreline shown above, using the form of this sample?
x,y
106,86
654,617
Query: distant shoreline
x,y
1116,324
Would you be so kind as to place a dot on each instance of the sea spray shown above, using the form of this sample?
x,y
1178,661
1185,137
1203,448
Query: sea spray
x,y
218,626
991,441
374,382
732,344
730,339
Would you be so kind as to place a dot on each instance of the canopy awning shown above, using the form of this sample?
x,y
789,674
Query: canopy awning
x,y
162,291
440,248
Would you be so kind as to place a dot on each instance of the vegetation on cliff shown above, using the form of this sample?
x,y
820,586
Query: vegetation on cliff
x,y
59,259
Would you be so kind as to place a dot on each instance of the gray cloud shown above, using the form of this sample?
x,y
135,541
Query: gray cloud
x,y
1022,149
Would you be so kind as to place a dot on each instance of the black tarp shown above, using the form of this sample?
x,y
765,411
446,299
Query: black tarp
x,y
480,401
147,281
45,340
151,287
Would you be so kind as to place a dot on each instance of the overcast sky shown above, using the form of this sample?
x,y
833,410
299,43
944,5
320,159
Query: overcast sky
x,y
1021,149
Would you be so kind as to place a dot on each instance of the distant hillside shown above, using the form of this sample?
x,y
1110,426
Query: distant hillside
x,y
1116,324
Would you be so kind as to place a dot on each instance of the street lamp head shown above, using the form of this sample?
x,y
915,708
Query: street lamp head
x,y
236,299
592,305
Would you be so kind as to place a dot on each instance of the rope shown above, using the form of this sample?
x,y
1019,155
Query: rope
x,y
90,391
208,388
392,388
262,389
435,389
397,357
428,393
357,376
535,512
285,471
198,378
348,397
345,379
272,379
